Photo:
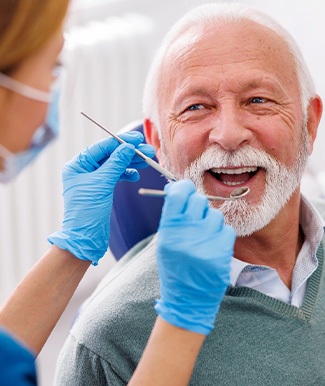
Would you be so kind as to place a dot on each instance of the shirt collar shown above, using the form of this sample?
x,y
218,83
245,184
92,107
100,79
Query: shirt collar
x,y
313,226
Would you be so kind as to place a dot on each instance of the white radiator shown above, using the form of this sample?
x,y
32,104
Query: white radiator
x,y
106,66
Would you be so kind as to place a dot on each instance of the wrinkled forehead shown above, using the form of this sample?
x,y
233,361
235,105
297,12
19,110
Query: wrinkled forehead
x,y
230,41
225,52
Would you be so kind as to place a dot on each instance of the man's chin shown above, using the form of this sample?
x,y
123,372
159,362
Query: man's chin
x,y
245,217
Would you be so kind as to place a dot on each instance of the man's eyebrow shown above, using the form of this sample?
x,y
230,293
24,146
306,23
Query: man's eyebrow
x,y
264,83
270,84
193,91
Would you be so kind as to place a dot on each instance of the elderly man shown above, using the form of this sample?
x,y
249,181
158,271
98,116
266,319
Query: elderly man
x,y
229,102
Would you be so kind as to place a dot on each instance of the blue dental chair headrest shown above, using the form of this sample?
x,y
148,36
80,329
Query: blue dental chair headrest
x,y
134,217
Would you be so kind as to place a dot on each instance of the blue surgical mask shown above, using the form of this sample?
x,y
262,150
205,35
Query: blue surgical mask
x,y
13,163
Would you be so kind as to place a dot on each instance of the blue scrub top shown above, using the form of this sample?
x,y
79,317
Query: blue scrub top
x,y
17,363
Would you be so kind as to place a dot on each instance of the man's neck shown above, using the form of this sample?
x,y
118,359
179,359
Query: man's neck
x,y
277,245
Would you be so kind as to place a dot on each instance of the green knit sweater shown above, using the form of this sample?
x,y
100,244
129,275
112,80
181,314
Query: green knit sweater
x,y
257,340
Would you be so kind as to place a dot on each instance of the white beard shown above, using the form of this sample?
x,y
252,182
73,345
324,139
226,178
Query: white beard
x,y
281,182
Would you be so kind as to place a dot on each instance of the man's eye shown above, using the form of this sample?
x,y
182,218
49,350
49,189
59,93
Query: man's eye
x,y
258,100
195,107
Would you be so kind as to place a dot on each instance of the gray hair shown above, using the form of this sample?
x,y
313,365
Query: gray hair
x,y
209,15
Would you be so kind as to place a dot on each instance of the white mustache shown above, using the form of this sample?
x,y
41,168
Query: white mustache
x,y
214,157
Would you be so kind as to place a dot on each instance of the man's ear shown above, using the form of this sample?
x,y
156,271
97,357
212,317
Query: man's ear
x,y
314,113
151,134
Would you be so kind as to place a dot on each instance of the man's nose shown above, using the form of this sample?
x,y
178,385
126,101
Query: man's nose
x,y
230,129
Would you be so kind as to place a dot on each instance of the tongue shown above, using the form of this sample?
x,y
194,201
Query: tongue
x,y
237,178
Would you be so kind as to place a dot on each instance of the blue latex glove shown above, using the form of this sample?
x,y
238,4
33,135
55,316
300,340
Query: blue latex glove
x,y
194,253
88,186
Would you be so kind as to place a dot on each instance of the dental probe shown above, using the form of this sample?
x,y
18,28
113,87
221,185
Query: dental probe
x,y
234,195
147,159
237,193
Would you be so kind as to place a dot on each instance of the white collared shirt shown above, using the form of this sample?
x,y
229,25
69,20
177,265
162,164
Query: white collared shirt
x,y
267,280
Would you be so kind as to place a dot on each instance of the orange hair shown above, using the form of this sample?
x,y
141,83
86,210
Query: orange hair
x,y
25,28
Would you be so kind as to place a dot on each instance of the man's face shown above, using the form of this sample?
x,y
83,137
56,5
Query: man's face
x,y
234,94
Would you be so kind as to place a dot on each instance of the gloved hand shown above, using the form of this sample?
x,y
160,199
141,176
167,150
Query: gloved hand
x,y
194,253
88,186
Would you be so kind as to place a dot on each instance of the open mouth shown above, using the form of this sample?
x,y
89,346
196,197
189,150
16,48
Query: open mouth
x,y
234,176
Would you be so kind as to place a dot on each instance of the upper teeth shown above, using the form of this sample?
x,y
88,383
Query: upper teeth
x,y
234,171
